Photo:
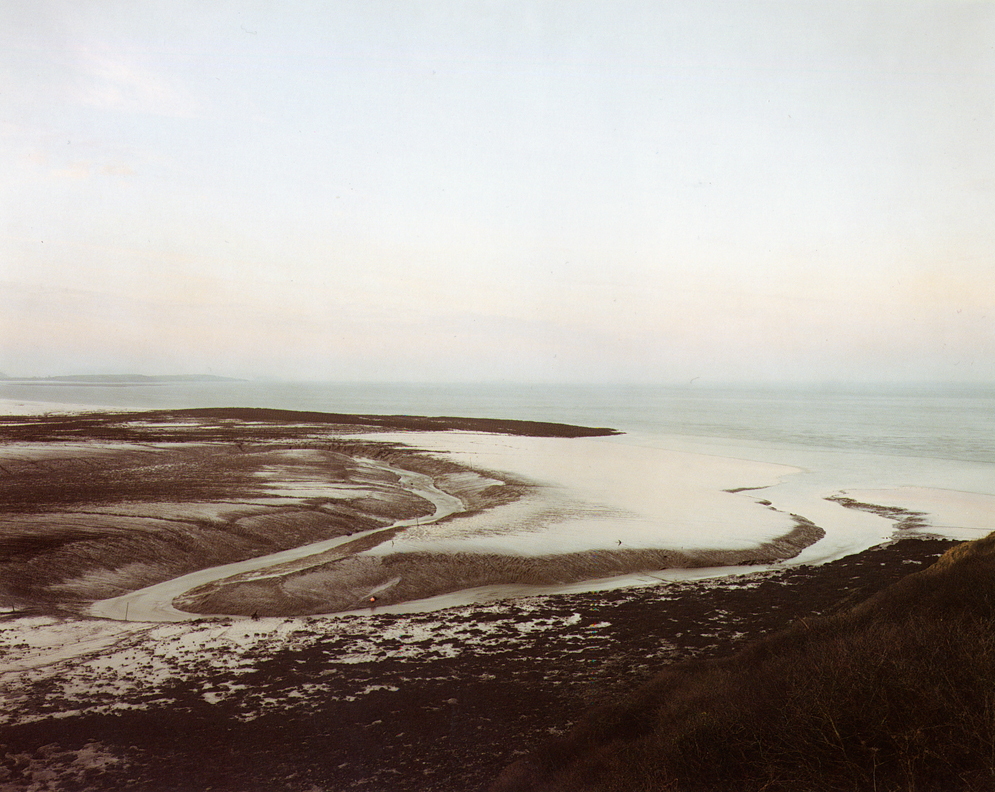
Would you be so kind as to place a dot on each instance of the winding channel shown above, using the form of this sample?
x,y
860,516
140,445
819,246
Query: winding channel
x,y
155,603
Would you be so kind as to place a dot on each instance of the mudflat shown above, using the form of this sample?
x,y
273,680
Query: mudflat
x,y
169,515
270,691
98,505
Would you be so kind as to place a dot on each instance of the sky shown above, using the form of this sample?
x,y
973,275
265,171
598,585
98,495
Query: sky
x,y
499,190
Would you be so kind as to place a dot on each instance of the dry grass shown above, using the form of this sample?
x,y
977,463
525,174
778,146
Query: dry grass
x,y
897,693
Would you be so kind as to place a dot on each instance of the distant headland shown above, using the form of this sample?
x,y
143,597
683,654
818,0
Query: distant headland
x,y
118,379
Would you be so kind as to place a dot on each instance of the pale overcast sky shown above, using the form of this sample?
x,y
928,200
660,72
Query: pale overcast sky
x,y
553,190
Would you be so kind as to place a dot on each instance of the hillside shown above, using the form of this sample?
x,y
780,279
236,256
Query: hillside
x,y
896,693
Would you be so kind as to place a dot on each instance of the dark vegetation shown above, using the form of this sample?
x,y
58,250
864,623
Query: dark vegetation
x,y
896,693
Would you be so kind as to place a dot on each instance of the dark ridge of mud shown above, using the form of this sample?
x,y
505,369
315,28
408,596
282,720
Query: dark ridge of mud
x,y
406,422
251,424
330,585
905,519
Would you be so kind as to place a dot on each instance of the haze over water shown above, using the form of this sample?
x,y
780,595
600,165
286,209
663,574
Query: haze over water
x,y
953,422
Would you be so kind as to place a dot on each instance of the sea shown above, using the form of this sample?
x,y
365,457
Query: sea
x,y
929,421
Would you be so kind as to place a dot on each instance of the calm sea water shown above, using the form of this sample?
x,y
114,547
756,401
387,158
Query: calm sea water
x,y
951,424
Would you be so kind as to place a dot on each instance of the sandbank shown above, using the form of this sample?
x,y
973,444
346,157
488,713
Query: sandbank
x,y
31,407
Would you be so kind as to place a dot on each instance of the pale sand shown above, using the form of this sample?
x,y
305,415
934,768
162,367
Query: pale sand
x,y
596,494
954,514
26,407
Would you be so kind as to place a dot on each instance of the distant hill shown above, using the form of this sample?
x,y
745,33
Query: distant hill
x,y
122,379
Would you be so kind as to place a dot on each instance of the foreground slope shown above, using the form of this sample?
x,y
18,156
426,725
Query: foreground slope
x,y
896,693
